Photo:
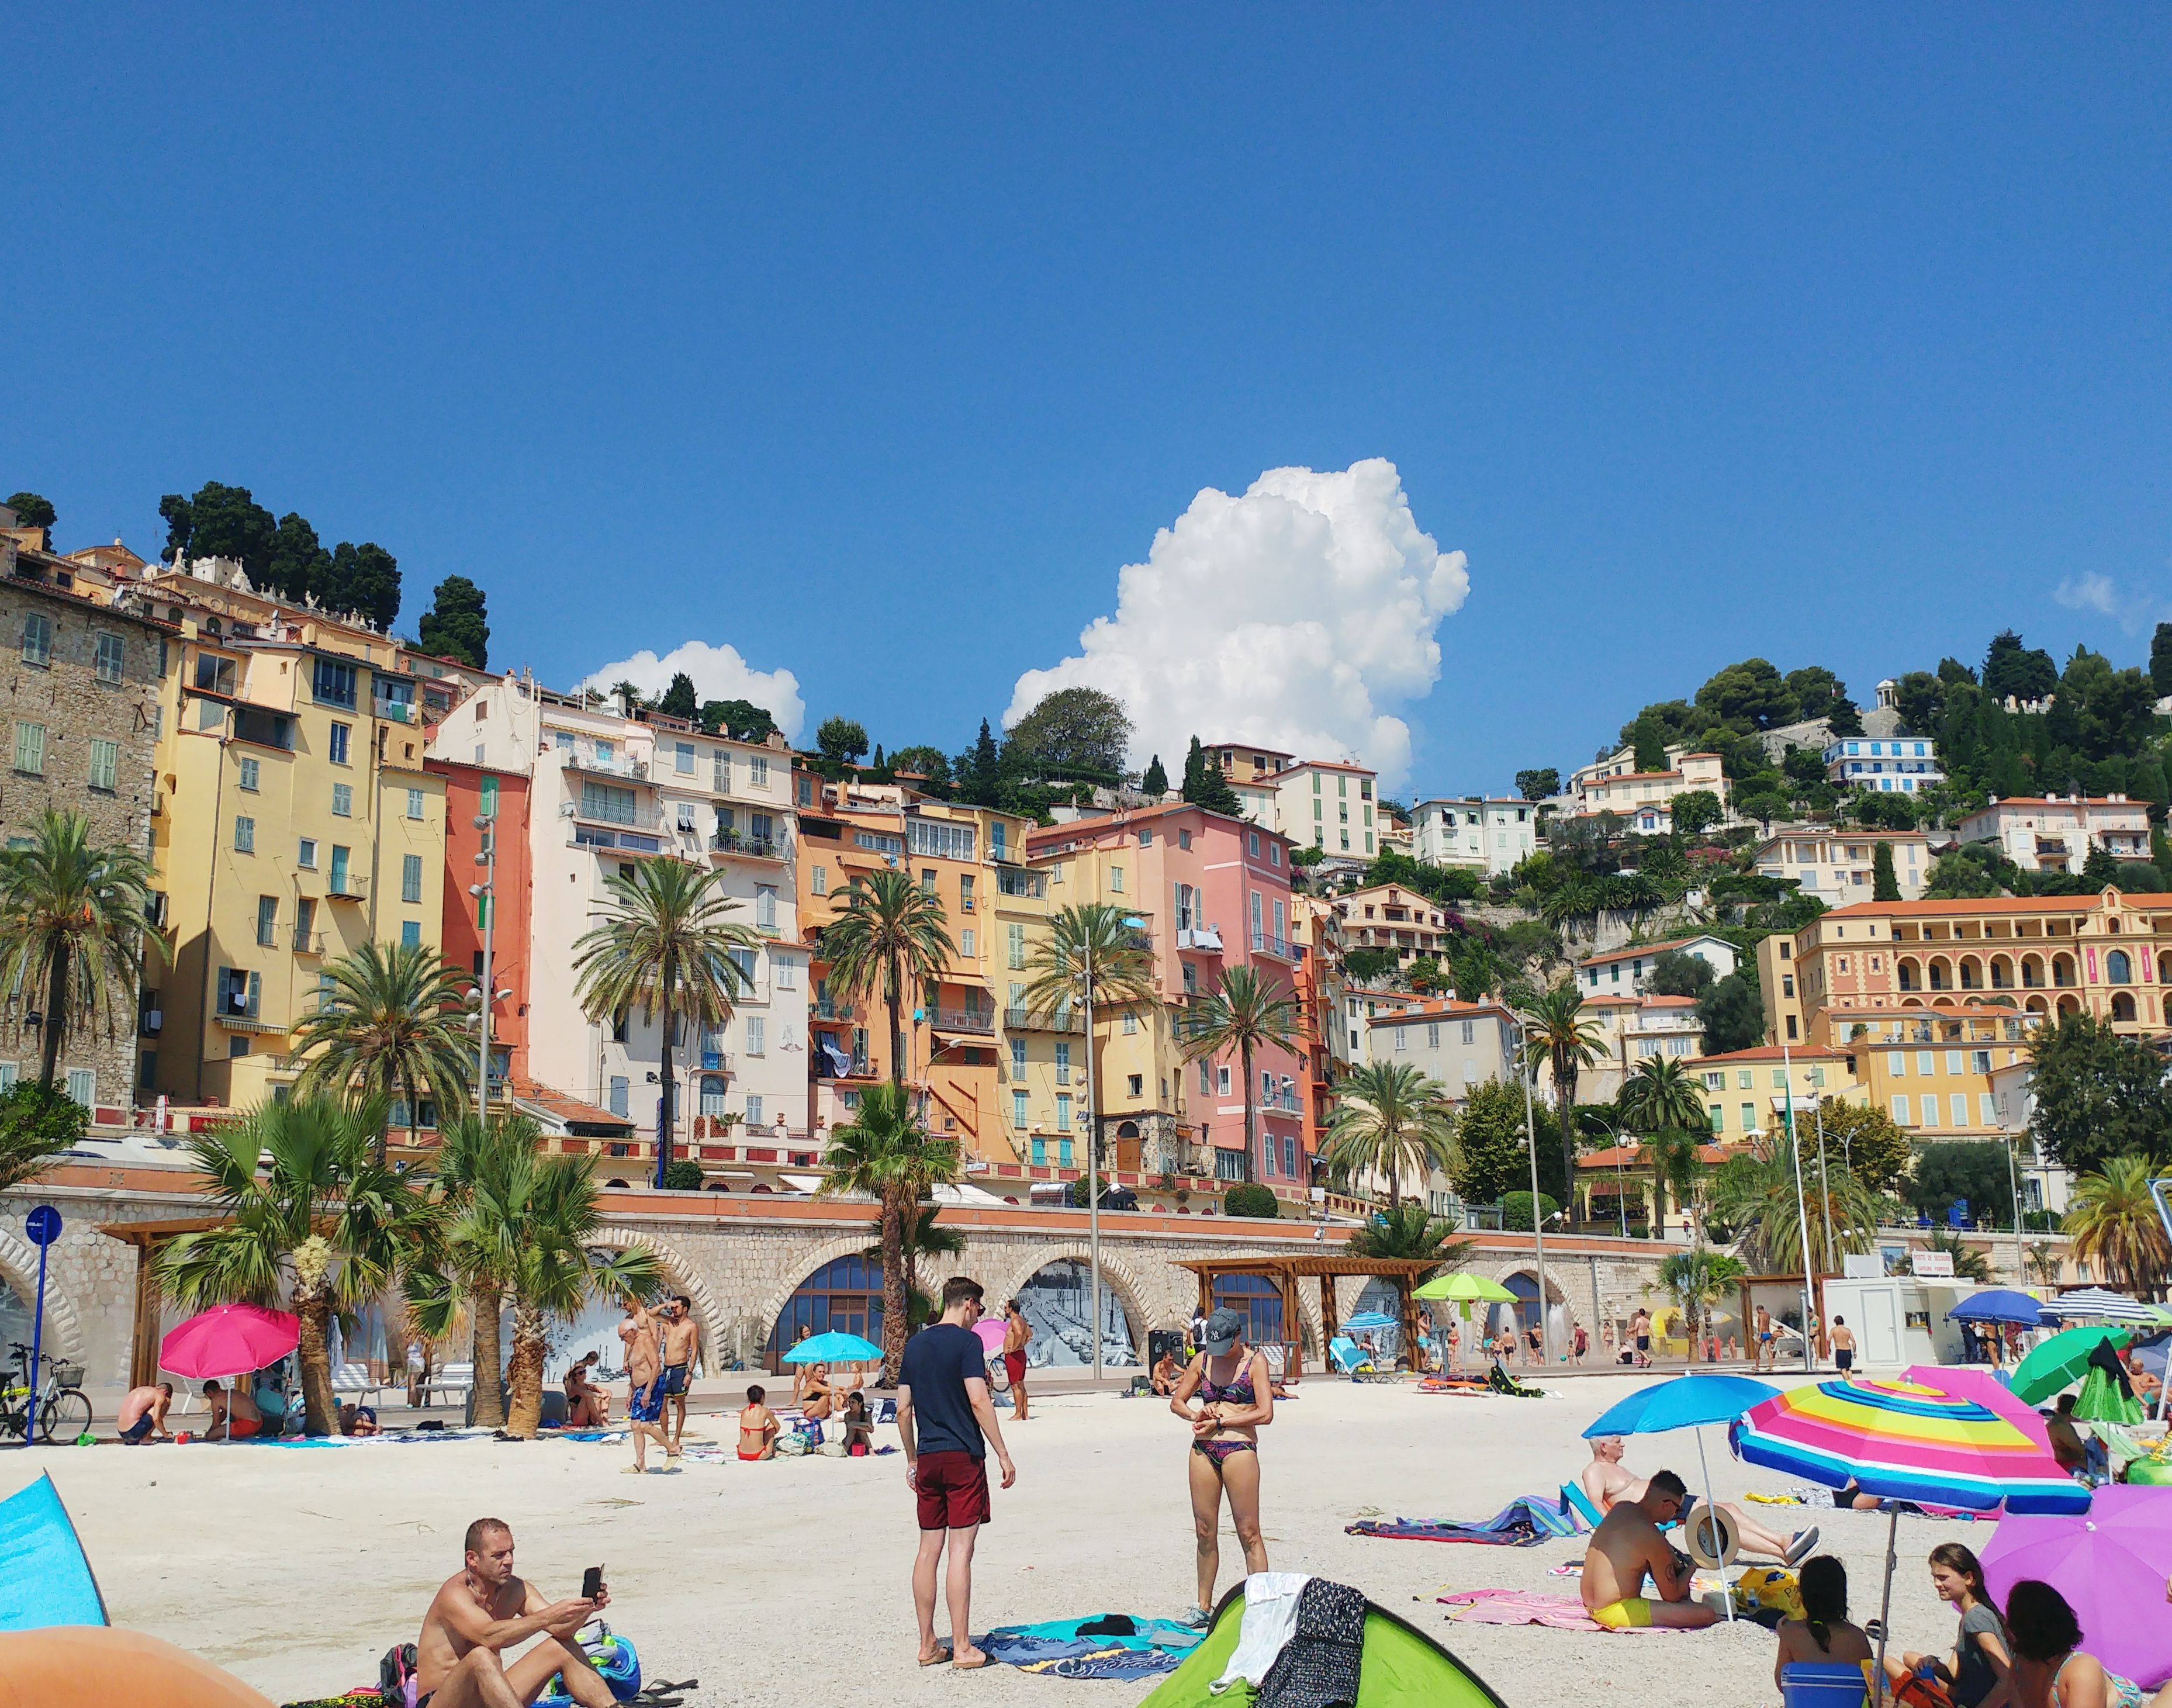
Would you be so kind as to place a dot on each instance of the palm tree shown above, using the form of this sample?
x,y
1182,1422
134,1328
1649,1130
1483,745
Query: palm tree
x,y
888,1156
1699,1279
665,942
75,925
1676,1159
1245,1013
1410,1231
1387,1118
1556,1033
391,1024
888,937
1661,1101
480,1165
2114,1225
312,1213
922,1238
1754,1195
2042,1261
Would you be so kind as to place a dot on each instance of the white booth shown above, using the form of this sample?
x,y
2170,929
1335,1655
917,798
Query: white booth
x,y
1899,1320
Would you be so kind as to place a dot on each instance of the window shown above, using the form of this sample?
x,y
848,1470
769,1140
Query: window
x,y
786,971
244,836
1749,1117
251,772
564,737
105,763
342,736
820,881
334,683
1063,1152
965,891
1986,1108
1019,1112
1779,1079
682,758
1980,1060
238,993
1817,1077
1926,1063
30,748
757,773
342,800
1014,947
1222,1081
1252,843
1064,1113
1289,1157
1901,1115
1135,1085
415,801
411,934
1931,1111
1206,1079
880,843
756,1036
411,877
267,920
1402,1038
1183,839
82,1085
1115,880
619,1086
1017,1056
1718,1119
1433,1034
764,906
37,642
604,801
1062,1061
1039,1150
743,960
1743,1079
1713,1081
336,881
110,666
1145,839
927,880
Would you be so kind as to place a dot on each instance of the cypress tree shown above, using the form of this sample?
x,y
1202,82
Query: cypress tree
x,y
1155,783
1885,881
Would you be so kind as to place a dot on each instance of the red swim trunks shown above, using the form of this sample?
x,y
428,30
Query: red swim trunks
x,y
1015,1366
953,1490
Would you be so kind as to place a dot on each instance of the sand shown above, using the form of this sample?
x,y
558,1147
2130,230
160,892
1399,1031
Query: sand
x,y
788,1582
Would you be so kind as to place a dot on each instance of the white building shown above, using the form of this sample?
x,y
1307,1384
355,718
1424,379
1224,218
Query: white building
x,y
2054,833
1320,803
1615,785
1896,764
1459,1045
608,790
1632,1029
1251,771
1626,970
1484,833
1838,866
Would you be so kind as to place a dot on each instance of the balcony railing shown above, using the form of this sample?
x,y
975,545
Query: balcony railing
x,y
397,710
1263,944
631,770
639,816
1011,881
1035,1020
309,943
716,1061
825,1067
347,886
1199,936
979,1021
754,848
827,1010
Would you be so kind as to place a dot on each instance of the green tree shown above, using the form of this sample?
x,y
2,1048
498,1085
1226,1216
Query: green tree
x,y
921,1238
1204,785
930,762
2113,1224
2160,656
1677,973
220,521
1949,1171
2011,668
1492,1153
1663,1101
1814,689
842,740
32,511
1843,717
1861,1139
470,1254
664,944
391,1022
1076,730
678,701
1538,783
1754,1195
1920,698
887,939
1369,964
886,1154
74,925
1750,695
1245,1014
2098,1096
1732,1014
1388,1119
2098,868
1649,743
1885,881
1155,783
364,581
37,1124
1248,1199
311,1219
457,627
1557,1035
1407,1232
742,720
979,770
1516,1210
1697,1279
297,565
1091,958
1698,810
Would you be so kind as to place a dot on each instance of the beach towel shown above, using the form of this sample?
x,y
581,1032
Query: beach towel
x,y
1157,1645
1107,1663
1523,1523
1524,1607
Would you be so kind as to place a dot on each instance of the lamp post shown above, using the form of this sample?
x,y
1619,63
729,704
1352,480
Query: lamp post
x,y
1621,1198
1538,1221
485,894
1093,1172
1802,1212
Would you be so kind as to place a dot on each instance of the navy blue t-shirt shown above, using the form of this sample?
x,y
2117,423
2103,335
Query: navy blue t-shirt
x,y
936,1361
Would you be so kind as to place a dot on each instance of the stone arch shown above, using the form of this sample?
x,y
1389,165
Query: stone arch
x,y
2119,968
1556,1295
1117,1275
2122,1005
1972,968
18,1264
2001,972
679,1268
1911,972
1942,973
803,1262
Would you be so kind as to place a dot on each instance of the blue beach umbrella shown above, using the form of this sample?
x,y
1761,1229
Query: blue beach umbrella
x,y
1365,1321
1999,1305
834,1348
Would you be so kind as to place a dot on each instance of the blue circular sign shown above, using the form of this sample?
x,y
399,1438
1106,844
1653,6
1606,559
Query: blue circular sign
x,y
43,1224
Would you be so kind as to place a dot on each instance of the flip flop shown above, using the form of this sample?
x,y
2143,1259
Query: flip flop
x,y
970,1665
940,1657
1802,1544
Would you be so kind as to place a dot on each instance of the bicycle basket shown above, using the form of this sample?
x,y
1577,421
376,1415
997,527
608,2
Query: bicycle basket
x,y
68,1375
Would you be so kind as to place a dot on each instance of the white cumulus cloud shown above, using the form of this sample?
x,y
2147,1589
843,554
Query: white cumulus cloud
x,y
1296,616
718,673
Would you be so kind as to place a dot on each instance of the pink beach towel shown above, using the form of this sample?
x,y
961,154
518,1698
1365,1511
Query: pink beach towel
x,y
1520,1607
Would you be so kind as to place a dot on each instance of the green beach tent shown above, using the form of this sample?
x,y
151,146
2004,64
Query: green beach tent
x,y
1402,1668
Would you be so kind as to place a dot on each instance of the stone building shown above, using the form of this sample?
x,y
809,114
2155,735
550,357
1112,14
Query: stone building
x,y
83,718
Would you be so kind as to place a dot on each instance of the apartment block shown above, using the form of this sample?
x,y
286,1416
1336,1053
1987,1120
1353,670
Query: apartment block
x,y
1899,765
1631,1029
2054,833
1626,970
1935,1070
1390,916
1747,1092
1839,866
1483,833
1329,805
1645,798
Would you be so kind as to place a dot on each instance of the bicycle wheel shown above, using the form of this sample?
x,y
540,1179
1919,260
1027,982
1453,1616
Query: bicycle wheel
x,y
63,1417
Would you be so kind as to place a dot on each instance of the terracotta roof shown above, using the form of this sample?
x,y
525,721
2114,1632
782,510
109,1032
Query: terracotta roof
x,y
1441,1011
1101,823
1660,948
2047,801
1607,1158
1993,904
1773,1052
567,1110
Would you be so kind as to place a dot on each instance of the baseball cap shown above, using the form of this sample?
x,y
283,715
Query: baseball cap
x,y
1224,1328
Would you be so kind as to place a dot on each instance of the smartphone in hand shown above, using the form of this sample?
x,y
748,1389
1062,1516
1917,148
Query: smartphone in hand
x,y
592,1580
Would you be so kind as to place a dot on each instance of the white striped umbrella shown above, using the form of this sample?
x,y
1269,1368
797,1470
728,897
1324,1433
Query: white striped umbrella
x,y
2101,1304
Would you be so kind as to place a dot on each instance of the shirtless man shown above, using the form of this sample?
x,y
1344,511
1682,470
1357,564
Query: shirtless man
x,y
1765,1346
484,1611
758,1427
1017,1331
1609,1486
1624,1548
644,1377
682,1345
1843,1345
143,1414
1640,1328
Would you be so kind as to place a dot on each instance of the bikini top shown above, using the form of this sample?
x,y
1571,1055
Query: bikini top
x,y
1238,1391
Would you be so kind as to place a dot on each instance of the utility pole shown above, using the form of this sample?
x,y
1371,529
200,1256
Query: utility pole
x,y
1093,1170
1802,1213
1538,1217
485,894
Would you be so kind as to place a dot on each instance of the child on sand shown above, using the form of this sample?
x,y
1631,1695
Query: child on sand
x,y
758,1427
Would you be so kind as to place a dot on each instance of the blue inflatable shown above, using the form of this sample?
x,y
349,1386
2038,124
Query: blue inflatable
x,y
47,1580
614,1657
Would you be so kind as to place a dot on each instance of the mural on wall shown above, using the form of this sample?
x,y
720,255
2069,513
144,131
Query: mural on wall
x,y
1058,1306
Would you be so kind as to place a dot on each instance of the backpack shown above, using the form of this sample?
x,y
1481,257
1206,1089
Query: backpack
x,y
395,1675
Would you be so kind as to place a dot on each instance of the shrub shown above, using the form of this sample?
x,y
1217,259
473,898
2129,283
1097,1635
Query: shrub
x,y
1250,1201
681,1175
1516,1210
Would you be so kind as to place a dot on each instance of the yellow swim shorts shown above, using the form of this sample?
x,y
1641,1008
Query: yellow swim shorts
x,y
1630,1612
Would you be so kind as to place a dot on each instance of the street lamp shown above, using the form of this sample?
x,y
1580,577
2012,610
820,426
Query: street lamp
x,y
1802,1210
485,894
1621,1199
1538,1221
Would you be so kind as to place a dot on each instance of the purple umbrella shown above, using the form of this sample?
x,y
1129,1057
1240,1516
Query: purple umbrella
x,y
2111,1563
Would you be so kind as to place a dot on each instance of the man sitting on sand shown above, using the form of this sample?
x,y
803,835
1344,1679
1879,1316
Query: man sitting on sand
x,y
1609,1486
1165,1373
1626,1547
758,1427
143,1414
237,1407
482,1611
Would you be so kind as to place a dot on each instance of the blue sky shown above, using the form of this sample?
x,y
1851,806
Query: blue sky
x,y
872,348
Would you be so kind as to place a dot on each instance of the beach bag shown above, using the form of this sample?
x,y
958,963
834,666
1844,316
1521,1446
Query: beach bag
x,y
1916,1691
1767,1594
395,1675
831,1449
791,1446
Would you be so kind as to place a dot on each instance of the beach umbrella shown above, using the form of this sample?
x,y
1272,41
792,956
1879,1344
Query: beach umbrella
x,y
991,1330
1916,1438
1999,1305
2061,1361
2100,1304
2111,1563
1365,1321
229,1340
1466,1289
834,1348
1684,1402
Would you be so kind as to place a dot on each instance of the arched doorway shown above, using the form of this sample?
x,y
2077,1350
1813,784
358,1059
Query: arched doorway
x,y
1379,1294
1258,1300
843,1296
1058,1303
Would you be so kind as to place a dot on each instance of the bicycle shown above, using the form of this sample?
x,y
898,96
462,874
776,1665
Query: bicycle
x,y
63,1411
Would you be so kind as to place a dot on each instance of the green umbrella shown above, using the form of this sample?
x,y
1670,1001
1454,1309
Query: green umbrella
x,y
2061,1361
1469,1289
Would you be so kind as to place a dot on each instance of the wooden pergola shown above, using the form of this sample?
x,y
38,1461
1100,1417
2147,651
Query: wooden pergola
x,y
1327,1267
148,1238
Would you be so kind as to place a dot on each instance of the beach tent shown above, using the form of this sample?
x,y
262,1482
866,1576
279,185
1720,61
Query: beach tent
x,y
47,1579
1402,1667
92,1664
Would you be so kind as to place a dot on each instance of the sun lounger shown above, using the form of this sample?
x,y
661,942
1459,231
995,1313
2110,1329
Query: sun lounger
x,y
1349,1360
454,1381
354,1381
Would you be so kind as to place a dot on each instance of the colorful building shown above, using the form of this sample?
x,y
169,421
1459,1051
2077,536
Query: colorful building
x,y
1933,1070
1747,1092
475,794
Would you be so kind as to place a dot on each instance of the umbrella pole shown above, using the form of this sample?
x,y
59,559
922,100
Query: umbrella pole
x,y
1713,1506
1885,1597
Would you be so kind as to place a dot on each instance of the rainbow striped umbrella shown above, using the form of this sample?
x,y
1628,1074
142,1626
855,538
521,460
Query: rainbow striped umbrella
x,y
1907,1439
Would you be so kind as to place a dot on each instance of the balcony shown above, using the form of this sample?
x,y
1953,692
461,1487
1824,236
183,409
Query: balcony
x,y
638,815
617,765
309,943
979,1022
1205,938
835,1064
748,847
248,1023
395,711
347,886
1034,1020
1014,881
827,1010
716,1061
1263,944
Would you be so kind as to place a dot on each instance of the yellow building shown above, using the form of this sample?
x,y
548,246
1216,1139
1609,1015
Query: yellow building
x,y
294,821
1747,1091
1930,1069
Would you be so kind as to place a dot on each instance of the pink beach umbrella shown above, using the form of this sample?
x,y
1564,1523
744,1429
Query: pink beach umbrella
x,y
2111,1563
228,1340
990,1329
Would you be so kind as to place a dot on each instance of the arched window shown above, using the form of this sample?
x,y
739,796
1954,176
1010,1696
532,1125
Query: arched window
x,y
843,1296
2119,969
2122,1006
1257,1300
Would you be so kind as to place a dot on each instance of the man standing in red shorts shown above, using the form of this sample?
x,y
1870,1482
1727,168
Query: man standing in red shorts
x,y
1017,1331
943,1409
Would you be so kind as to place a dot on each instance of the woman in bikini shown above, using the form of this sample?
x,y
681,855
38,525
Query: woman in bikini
x,y
1235,1389
2049,1670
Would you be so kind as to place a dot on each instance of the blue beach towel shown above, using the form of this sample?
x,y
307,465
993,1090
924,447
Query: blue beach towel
x,y
1156,1644
1523,1523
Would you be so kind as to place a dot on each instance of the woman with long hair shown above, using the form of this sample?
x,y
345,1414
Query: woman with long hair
x,y
1980,1657
2049,1669
1235,1391
1823,1635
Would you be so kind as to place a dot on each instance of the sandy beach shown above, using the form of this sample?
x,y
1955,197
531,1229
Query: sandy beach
x,y
296,1568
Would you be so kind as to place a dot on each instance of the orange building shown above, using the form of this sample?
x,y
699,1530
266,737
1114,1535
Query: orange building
x,y
474,791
